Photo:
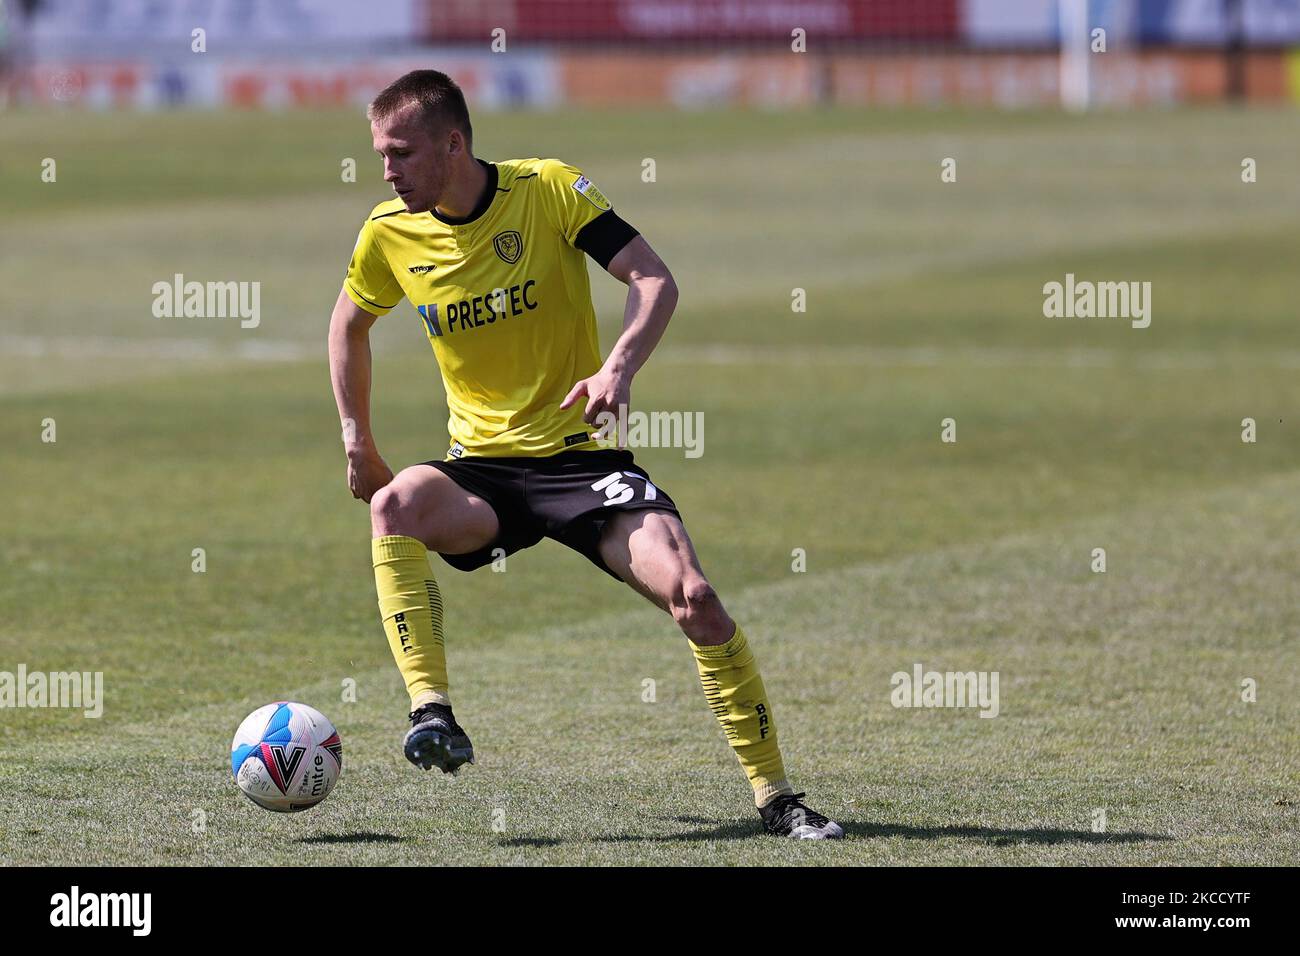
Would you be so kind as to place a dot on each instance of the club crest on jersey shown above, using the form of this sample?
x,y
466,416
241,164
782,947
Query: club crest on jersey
x,y
509,246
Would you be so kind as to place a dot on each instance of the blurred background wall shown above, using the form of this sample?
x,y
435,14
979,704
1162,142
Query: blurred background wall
x,y
282,54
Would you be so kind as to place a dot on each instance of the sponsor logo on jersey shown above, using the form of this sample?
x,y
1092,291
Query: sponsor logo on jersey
x,y
587,188
457,449
479,311
420,270
509,246
577,439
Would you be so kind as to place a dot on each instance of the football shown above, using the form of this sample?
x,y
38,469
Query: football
x,y
286,757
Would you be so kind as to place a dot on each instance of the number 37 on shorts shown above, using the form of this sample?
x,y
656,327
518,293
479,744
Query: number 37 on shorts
x,y
618,492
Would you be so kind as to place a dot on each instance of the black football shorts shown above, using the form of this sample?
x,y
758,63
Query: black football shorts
x,y
566,497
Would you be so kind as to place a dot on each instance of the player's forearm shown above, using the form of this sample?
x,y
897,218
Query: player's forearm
x,y
650,304
350,374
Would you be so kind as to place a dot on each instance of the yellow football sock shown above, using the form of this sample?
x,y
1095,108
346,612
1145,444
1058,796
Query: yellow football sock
x,y
411,607
734,690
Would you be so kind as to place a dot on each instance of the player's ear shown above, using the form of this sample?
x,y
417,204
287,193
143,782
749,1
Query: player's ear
x,y
456,142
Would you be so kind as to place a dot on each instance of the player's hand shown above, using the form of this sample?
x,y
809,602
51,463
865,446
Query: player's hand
x,y
605,392
367,473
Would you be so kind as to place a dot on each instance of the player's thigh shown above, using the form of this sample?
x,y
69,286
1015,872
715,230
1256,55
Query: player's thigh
x,y
652,552
424,503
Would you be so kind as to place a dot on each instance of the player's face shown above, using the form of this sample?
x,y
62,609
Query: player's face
x,y
414,165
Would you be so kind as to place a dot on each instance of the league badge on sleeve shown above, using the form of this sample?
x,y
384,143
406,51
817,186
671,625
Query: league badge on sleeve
x,y
587,188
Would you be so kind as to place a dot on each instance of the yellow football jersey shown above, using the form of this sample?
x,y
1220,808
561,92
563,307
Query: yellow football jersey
x,y
505,301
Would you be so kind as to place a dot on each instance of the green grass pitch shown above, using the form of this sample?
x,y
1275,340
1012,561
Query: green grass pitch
x,y
1119,691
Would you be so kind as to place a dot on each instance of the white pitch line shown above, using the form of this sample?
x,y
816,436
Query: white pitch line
x,y
287,350
274,350
934,357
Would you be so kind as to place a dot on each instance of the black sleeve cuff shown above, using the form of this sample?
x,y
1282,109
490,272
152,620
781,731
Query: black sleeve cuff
x,y
604,237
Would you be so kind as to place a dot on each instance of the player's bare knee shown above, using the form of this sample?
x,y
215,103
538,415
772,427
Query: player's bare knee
x,y
700,597
698,611
390,512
